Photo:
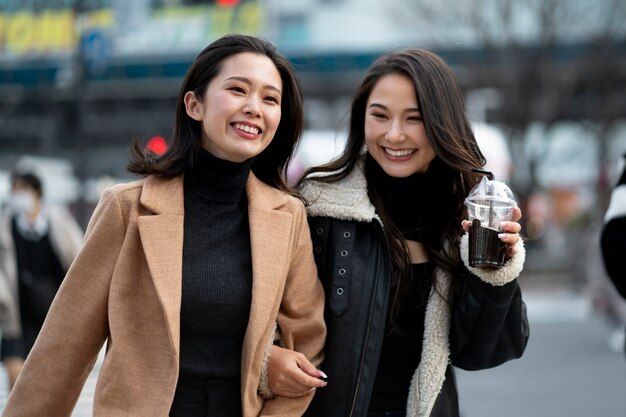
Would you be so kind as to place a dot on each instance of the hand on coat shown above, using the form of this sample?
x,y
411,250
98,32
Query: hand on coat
x,y
511,231
290,374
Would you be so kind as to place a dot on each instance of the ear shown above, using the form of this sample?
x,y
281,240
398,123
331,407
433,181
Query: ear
x,y
193,107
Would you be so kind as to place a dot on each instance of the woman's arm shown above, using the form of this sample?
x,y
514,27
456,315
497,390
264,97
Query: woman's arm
x,y
489,325
301,325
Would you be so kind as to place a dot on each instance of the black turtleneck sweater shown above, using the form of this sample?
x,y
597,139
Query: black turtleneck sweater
x,y
420,205
217,270
416,206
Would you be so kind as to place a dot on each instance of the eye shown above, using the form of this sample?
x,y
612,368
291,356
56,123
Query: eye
x,y
381,116
272,99
415,118
237,89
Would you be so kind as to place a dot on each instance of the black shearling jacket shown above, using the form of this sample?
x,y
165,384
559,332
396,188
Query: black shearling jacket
x,y
484,326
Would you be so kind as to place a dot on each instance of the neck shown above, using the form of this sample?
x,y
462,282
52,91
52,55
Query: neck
x,y
402,198
217,179
32,215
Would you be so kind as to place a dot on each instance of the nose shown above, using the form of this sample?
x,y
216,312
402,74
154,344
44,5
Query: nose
x,y
395,133
252,107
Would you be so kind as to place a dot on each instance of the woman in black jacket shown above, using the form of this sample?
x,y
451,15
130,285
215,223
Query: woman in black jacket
x,y
387,219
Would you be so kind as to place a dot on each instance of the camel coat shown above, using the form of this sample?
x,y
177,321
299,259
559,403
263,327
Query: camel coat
x,y
125,288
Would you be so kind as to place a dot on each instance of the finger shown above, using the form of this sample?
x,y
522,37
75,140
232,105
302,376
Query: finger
x,y
316,380
466,225
510,227
296,394
509,238
517,214
290,387
308,368
309,381
511,243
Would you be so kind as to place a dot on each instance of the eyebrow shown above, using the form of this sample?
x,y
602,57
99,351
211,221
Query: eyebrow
x,y
247,81
383,107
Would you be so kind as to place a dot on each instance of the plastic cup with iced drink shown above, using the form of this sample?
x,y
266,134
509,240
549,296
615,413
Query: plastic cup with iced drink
x,y
489,203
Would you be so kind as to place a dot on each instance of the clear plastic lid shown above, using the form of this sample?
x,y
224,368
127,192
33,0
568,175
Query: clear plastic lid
x,y
491,202
493,190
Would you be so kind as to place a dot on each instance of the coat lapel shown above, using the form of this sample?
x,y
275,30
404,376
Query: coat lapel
x,y
270,239
162,239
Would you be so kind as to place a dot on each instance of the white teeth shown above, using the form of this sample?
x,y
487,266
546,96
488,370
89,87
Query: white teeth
x,y
403,152
246,128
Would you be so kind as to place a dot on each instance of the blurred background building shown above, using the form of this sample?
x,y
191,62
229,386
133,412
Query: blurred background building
x,y
544,83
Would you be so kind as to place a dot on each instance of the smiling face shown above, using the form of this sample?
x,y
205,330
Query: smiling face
x,y
240,110
394,132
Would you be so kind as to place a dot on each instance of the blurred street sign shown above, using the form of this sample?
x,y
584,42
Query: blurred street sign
x,y
95,50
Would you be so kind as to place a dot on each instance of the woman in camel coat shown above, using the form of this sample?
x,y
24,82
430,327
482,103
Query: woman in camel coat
x,y
129,285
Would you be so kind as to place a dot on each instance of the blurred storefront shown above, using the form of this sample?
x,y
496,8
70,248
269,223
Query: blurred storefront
x,y
80,79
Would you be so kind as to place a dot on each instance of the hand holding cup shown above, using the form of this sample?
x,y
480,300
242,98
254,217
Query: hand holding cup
x,y
492,226
510,231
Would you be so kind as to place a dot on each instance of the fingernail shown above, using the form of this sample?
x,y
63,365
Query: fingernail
x,y
322,374
501,235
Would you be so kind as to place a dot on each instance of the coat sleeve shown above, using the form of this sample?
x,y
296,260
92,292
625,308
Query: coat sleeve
x,y
612,236
489,325
65,234
301,316
76,325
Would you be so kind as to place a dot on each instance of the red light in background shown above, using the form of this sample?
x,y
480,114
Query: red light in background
x,y
157,144
227,3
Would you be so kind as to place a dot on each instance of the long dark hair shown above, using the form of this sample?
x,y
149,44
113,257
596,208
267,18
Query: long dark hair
x,y
185,145
449,132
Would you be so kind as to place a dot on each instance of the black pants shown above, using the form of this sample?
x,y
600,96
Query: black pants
x,y
198,398
386,414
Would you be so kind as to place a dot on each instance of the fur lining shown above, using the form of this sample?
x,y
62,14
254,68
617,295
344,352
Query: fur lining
x,y
617,206
429,376
344,200
264,382
511,269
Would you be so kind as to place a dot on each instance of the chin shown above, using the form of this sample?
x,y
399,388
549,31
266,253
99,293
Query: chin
x,y
398,173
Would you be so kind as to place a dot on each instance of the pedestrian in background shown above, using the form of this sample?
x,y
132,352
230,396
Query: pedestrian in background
x,y
612,237
387,219
38,242
190,273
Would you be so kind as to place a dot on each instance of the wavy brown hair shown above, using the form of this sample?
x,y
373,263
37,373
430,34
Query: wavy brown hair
x,y
271,165
449,132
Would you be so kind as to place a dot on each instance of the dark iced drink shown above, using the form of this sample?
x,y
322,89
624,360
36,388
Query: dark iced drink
x,y
486,250
488,204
